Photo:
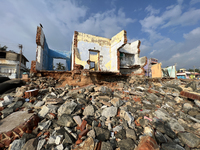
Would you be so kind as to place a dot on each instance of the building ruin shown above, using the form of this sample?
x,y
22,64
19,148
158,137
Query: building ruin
x,y
93,53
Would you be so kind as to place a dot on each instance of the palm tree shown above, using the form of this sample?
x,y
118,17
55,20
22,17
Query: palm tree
x,y
60,66
4,48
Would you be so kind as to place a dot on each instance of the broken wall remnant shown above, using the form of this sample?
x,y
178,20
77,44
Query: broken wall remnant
x,y
156,71
130,60
147,67
103,54
169,72
159,72
45,55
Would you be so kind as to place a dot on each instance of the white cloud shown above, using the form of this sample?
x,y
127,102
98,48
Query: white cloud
x,y
194,34
152,10
187,59
192,2
190,17
172,16
154,51
169,52
105,24
19,21
151,22
180,1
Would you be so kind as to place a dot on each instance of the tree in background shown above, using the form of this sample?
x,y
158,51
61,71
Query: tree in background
x,y
60,66
4,48
192,70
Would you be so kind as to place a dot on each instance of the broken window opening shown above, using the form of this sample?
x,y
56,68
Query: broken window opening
x,y
59,64
94,59
126,60
2,55
93,53
92,64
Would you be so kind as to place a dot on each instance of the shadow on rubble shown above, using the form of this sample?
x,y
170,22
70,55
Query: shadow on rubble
x,y
10,85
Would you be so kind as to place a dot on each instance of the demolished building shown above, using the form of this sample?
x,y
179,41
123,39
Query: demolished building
x,y
45,55
93,53
134,114
103,54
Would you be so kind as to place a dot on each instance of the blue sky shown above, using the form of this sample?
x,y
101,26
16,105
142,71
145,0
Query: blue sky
x,y
169,30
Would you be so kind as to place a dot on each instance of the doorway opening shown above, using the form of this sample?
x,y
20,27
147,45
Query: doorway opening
x,y
94,60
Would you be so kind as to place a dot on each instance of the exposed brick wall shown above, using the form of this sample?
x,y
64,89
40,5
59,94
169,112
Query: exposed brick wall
x,y
31,93
190,95
118,53
33,66
27,127
75,46
125,37
38,36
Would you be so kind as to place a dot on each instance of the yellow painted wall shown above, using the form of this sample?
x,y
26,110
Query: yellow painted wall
x,y
93,39
156,71
95,59
105,45
118,37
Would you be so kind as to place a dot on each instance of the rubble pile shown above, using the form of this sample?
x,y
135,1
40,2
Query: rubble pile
x,y
138,114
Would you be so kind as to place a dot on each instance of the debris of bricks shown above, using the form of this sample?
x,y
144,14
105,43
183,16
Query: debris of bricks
x,y
133,114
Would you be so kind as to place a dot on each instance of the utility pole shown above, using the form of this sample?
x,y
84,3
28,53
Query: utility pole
x,y
148,68
20,59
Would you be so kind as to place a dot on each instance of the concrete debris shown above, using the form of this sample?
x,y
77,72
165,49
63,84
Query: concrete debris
x,y
141,114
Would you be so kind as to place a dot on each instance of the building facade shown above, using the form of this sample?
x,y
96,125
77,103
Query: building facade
x,y
9,64
108,55
93,53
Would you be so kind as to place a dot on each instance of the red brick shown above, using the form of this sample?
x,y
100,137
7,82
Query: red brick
x,y
190,95
136,123
1,136
83,125
99,145
52,115
152,91
118,112
147,143
47,133
15,136
39,134
79,141
7,142
2,145
9,133
1,108
99,125
29,94
83,133
136,99
24,128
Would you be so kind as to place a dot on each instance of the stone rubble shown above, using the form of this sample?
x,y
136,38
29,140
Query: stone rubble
x,y
137,114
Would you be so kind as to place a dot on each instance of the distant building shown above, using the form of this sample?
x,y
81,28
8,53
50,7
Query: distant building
x,y
183,75
9,64
150,63
182,70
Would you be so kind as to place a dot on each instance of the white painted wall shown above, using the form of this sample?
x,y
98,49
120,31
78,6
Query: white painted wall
x,y
10,68
83,49
39,58
114,48
131,48
72,50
